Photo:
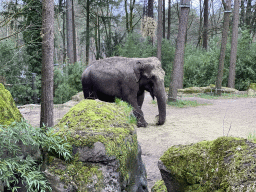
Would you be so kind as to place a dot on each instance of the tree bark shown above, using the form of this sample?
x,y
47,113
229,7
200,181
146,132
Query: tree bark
x,y
159,30
227,7
47,63
205,33
70,45
177,73
169,20
164,19
232,67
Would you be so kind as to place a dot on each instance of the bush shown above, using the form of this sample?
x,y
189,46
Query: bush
x,y
67,82
16,166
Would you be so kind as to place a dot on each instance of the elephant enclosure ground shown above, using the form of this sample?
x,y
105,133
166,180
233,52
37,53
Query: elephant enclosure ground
x,y
235,117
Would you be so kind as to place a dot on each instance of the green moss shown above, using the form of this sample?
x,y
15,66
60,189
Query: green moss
x,y
91,121
159,187
220,165
8,110
83,175
253,86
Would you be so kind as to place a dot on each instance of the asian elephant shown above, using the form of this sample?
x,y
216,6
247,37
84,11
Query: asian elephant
x,y
127,79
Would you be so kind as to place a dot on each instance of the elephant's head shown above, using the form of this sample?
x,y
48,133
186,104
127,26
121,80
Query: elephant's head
x,y
150,76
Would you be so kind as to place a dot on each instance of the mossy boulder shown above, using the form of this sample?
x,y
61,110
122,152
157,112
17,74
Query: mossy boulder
x,y
252,89
105,146
225,164
8,110
208,89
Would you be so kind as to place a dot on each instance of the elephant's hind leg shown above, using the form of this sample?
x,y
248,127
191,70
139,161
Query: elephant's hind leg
x,y
88,94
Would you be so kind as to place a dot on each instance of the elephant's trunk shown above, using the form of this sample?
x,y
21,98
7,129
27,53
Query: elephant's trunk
x,y
161,102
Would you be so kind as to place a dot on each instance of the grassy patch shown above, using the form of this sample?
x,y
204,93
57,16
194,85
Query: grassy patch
x,y
223,96
184,103
252,137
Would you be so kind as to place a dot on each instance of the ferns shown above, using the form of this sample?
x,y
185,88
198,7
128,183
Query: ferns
x,y
19,157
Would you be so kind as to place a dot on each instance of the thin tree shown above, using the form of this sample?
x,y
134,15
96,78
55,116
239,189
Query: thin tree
x,y
70,37
205,32
87,48
177,73
232,67
227,7
169,20
74,32
164,19
47,63
159,29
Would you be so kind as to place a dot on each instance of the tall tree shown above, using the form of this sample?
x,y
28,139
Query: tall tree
x,y
88,3
150,8
169,20
177,73
159,29
74,31
47,63
164,19
205,32
129,15
227,10
70,37
232,67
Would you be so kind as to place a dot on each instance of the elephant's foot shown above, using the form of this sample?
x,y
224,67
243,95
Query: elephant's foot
x,y
142,123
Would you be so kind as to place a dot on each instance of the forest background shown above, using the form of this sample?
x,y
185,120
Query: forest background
x,y
86,30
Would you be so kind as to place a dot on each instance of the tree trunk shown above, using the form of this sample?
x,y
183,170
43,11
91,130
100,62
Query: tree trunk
x,y
232,67
70,48
177,73
47,63
74,32
242,19
169,20
164,19
87,32
200,24
205,33
248,13
64,36
150,8
159,30
227,7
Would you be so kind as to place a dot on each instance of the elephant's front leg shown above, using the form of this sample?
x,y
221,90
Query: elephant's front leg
x,y
137,111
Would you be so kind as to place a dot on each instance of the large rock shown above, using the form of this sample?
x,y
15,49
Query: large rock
x,y
252,89
106,154
208,89
8,110
225,164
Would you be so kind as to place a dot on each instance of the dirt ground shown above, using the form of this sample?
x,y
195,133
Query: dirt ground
x,y
235,117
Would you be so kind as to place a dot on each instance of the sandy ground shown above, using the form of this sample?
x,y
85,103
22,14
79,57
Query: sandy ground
x,y
235,117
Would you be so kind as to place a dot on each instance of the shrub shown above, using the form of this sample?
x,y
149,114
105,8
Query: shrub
x,y
15,166
67,82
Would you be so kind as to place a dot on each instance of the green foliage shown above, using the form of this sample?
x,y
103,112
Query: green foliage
x,y
184,103
137,47
27,168
31,36
200,66
128,110
67,82
168,53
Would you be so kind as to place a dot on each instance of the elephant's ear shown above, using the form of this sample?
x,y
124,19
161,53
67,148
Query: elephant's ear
x,y
137,70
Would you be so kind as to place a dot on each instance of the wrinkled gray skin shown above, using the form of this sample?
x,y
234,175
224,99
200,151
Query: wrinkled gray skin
x,y
127,79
